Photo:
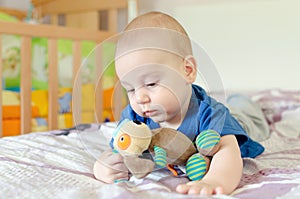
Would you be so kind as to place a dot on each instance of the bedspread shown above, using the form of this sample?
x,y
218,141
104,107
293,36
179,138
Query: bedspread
x,y
58,164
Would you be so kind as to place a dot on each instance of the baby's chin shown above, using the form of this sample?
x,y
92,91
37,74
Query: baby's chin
x,y
155,118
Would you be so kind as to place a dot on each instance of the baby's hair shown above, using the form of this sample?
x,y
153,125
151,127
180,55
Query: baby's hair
x,y
157,30
156,19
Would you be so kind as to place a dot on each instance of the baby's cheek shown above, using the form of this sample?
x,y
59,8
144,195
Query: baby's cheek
x,y
136,108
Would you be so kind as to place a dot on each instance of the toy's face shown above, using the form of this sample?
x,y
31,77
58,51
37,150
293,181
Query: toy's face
x,y
132,138
155,83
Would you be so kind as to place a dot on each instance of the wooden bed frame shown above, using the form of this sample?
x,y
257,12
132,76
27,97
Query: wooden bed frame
x,y
52,33
92,14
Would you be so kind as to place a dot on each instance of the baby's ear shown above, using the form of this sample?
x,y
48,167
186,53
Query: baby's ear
x,y
190,68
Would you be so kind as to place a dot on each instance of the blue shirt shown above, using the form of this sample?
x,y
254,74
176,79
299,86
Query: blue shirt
x,y
205,113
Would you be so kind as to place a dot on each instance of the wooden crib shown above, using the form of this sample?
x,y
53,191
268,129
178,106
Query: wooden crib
x,y
84,20
52,33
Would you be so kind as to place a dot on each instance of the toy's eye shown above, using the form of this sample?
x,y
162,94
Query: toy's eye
x,y
124,141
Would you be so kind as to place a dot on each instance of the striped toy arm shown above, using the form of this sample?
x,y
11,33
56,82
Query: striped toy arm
x,y
197,166
160,157
207,142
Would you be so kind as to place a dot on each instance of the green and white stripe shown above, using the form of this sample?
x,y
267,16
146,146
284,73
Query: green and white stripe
x,y
160,157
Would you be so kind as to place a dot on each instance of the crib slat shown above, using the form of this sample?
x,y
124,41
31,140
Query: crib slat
x,y
1,84
53,84
99,84
113,20
25,84
76,97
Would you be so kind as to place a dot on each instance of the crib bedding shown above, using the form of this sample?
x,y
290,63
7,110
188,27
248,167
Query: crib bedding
x,y
58,164
11,110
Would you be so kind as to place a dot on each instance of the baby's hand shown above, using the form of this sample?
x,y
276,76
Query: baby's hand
x,y
110,167
199,187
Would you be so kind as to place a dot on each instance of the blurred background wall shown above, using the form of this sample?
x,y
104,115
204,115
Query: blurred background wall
x,y
255,44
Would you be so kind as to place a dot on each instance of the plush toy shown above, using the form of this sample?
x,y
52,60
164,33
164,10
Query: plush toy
x,y
170,147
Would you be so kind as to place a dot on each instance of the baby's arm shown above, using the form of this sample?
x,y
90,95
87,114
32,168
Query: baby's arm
x,y
110,167
224,173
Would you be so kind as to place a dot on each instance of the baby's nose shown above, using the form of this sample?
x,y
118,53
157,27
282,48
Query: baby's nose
x,y
141,96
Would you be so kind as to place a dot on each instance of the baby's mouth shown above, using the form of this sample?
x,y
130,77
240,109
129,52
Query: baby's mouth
x,y
149,113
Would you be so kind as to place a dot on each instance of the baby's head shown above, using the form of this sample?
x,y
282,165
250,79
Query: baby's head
x,y
154,30
155,65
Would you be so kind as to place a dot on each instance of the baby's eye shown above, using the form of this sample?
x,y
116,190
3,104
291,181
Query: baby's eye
x,y
151,84
130,90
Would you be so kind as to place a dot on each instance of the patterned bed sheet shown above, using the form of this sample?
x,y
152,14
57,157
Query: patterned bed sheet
x,y
58,164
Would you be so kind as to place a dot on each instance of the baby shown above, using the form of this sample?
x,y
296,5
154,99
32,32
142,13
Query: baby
x,y
156,66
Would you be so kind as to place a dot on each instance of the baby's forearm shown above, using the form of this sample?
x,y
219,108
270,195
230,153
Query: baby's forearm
x,y
226,166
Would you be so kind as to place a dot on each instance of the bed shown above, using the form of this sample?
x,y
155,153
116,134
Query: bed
x,y
58,163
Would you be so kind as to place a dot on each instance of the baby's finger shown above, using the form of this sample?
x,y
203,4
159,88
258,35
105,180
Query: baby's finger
x,y
219,190
119,167
110,158
116,158
206,191
195,190
191,183
182,188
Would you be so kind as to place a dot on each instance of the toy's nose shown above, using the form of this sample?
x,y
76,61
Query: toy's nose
x,y
137,122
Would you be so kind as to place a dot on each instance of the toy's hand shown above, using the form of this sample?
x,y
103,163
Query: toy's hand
x,y
207,142
110,167
139,167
